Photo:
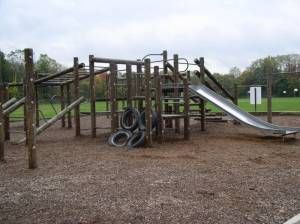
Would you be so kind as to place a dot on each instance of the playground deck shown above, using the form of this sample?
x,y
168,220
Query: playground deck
x,y
228,174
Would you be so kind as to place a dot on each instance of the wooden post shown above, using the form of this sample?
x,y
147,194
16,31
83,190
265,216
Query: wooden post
x,y
107,93
129,84
62,105
158,104
24,108
69,117
2,137
186,106
30,108
139,83
76,96
6,117
148,104
92,96
37,113
269,97
113,100
202,102
176,92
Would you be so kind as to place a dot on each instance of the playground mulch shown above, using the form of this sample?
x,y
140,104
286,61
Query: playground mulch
x,y
228,174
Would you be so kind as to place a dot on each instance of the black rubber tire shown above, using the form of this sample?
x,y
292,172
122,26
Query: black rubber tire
x,y
130,113
114,137
137,140
142,120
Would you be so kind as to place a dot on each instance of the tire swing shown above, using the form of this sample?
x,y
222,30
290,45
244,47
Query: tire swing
x,y
130,119
119,138
137,140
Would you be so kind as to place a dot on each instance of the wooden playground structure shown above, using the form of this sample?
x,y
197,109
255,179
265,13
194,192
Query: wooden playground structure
x,y
146,87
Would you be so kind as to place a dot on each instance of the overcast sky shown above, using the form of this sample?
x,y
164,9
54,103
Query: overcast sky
x,y
226,32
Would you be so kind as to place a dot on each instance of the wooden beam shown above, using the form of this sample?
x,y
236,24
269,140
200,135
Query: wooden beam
x,y
6,118
116,61
15,106
202,102
58,74
176,91
2,134
139,86
186,95
62,105
129,84
76,96
9,103
69,117
112,93
37,112
158,104
148,106
57,117
92,96
30,108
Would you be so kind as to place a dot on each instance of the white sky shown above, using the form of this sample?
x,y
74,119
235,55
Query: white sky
x,y
227,33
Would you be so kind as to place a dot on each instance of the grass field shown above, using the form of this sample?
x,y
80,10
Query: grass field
x,y
288,104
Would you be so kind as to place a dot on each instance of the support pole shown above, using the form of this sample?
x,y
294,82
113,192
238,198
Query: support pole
x,y
6,117
186,96
2,137
92,96
113,100
37,113
148,114
140,85
30,108
62,105
76,96
269,97
202,102
158,104
176,91
69,117
129,84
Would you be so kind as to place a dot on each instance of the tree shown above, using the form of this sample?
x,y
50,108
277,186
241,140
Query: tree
x,y
235,71
45,64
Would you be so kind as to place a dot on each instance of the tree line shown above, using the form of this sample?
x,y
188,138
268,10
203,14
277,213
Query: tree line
x,y
12,70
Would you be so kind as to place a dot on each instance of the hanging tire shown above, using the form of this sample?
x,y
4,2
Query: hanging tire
x,y
142,120
119,138
137,140
130,119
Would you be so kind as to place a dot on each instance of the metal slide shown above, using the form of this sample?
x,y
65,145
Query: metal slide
x,y
238,114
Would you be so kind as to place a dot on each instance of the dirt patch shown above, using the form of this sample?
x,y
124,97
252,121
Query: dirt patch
x,y
227,174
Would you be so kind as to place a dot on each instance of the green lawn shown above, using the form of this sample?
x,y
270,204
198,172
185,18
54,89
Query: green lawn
x,y
279,104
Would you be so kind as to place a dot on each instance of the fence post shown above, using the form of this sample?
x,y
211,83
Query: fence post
x,y
30,108
140,85
148,103
269,97
76,96
202,102
92,96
